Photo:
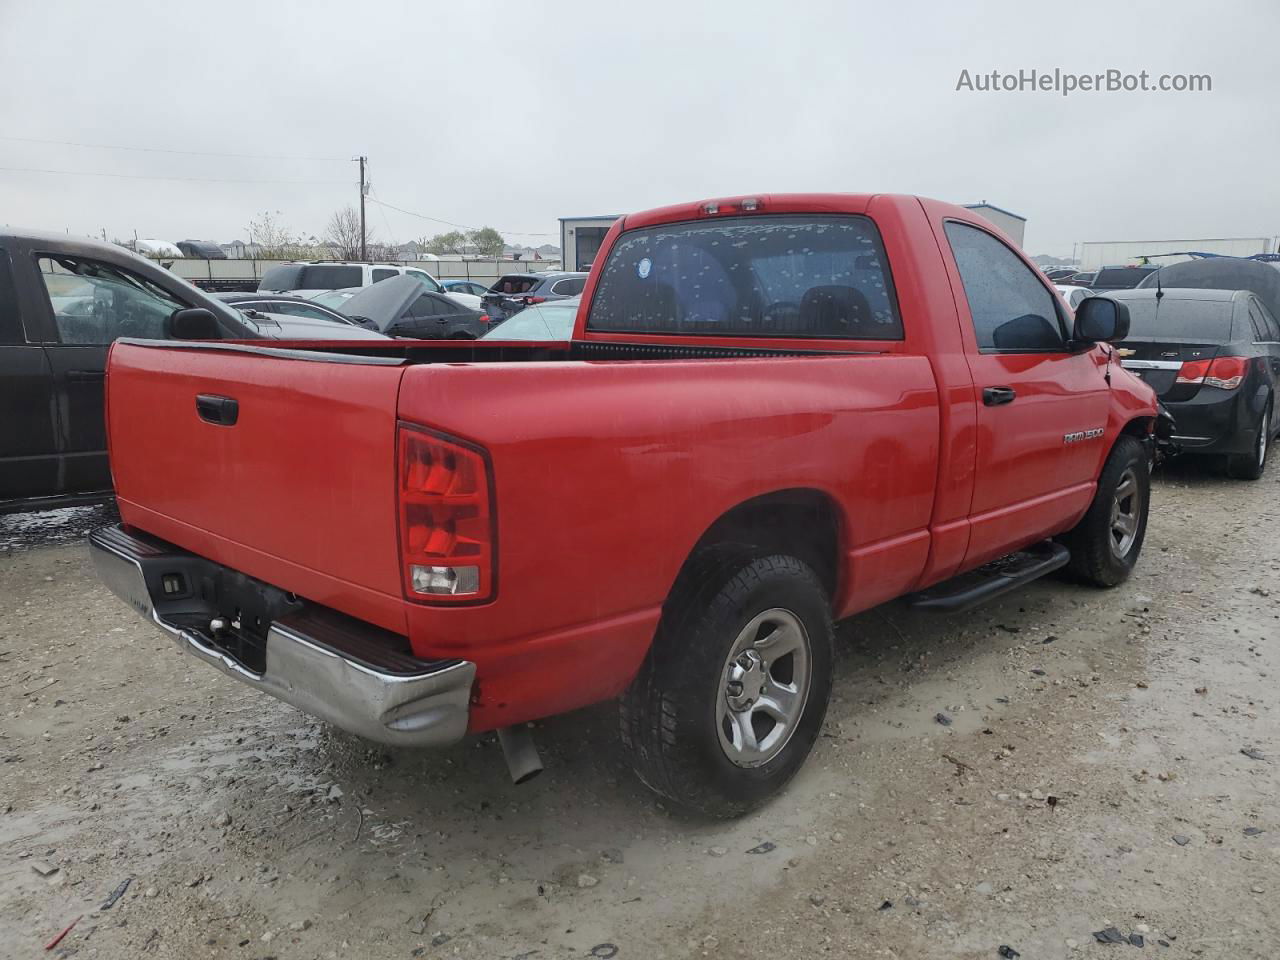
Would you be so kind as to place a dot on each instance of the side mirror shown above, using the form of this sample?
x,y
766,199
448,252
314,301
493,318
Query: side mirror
x,y
1100,320
192,323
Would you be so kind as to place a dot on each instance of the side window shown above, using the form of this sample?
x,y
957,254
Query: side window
x,y
569,288
96,302
427,305
1263,331
10,319
384,274
1011,308
1273,326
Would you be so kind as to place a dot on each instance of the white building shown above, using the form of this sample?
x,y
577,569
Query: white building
x,y
1011,223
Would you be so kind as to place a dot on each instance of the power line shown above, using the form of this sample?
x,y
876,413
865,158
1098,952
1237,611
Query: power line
x,y
186,153
135,176
450,223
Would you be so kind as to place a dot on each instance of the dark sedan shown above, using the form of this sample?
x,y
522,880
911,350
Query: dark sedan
x,y
1213,357
515,291
405,307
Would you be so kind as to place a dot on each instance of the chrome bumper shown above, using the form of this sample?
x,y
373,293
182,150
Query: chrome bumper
x,y
316,661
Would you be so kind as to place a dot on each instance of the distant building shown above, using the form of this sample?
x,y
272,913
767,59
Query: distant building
x,y
1011,223
240,250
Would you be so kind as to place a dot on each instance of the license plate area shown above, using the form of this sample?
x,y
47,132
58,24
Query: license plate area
x,y
228,611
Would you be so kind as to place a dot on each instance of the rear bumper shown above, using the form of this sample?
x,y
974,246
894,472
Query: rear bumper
x,y
1214,421
352,674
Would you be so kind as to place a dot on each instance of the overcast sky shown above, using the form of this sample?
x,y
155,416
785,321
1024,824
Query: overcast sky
x,y
513,115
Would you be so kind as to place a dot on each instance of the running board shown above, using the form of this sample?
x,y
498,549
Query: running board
x,y
991,580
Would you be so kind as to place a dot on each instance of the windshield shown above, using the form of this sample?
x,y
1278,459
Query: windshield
x,y
432,284
334,299
550,321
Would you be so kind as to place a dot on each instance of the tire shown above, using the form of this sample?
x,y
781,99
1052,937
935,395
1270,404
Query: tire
x,y
1103,549
699,718
1249,466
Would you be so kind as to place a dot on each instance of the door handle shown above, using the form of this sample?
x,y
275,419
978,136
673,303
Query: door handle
x,y
223,411
997,396
86,376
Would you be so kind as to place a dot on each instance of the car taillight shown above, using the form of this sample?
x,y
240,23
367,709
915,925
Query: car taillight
x,y
1226,373
531,300
446,518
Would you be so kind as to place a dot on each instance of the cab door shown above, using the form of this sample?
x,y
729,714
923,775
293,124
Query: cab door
x,y
88,304
1042,407
28,415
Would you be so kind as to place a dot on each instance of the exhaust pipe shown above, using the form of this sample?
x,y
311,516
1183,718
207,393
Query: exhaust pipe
x,y
520,753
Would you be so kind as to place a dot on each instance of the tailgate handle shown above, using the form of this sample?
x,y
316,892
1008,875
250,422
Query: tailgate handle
x,y
224,411
996,396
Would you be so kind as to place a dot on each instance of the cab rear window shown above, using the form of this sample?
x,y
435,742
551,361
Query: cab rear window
x,y
758,276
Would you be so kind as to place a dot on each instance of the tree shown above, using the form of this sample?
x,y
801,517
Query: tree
x,y
444,243
487,241
275,240
342,233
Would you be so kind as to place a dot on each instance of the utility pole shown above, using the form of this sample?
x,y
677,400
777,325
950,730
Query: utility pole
x,y
364,251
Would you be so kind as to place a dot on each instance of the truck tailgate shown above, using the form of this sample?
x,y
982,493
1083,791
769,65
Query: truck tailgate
x,y
298,491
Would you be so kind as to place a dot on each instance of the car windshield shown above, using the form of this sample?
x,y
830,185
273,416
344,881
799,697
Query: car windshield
x,y
428,279
334,299
549,321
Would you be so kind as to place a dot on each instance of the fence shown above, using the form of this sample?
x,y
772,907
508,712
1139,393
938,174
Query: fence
x,y
482,271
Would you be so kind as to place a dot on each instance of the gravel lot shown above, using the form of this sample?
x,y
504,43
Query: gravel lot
x,y
246,829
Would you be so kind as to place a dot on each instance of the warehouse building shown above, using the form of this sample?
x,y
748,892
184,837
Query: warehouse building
x,y
1013,225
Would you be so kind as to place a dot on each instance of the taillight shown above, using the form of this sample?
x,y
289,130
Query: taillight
x,y
446,518
1226,373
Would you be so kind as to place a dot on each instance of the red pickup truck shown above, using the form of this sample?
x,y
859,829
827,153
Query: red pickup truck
x,y
775,412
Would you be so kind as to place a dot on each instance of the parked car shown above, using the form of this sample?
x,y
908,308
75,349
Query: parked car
x,y
1060,274
201,249
1213,356
1119,278
512,293
321,276
542,321
289,306
1083,279
63,301
560,525
470,287
403,307
1072,294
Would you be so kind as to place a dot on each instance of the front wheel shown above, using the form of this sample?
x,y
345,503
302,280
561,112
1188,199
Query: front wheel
x,y
1249,466
732,695
1105,544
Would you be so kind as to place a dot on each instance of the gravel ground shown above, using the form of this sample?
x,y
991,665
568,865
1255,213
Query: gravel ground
x,y
1092,777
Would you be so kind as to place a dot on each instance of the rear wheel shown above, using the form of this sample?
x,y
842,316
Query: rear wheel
x,y
1105,544
1249,466
732,695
